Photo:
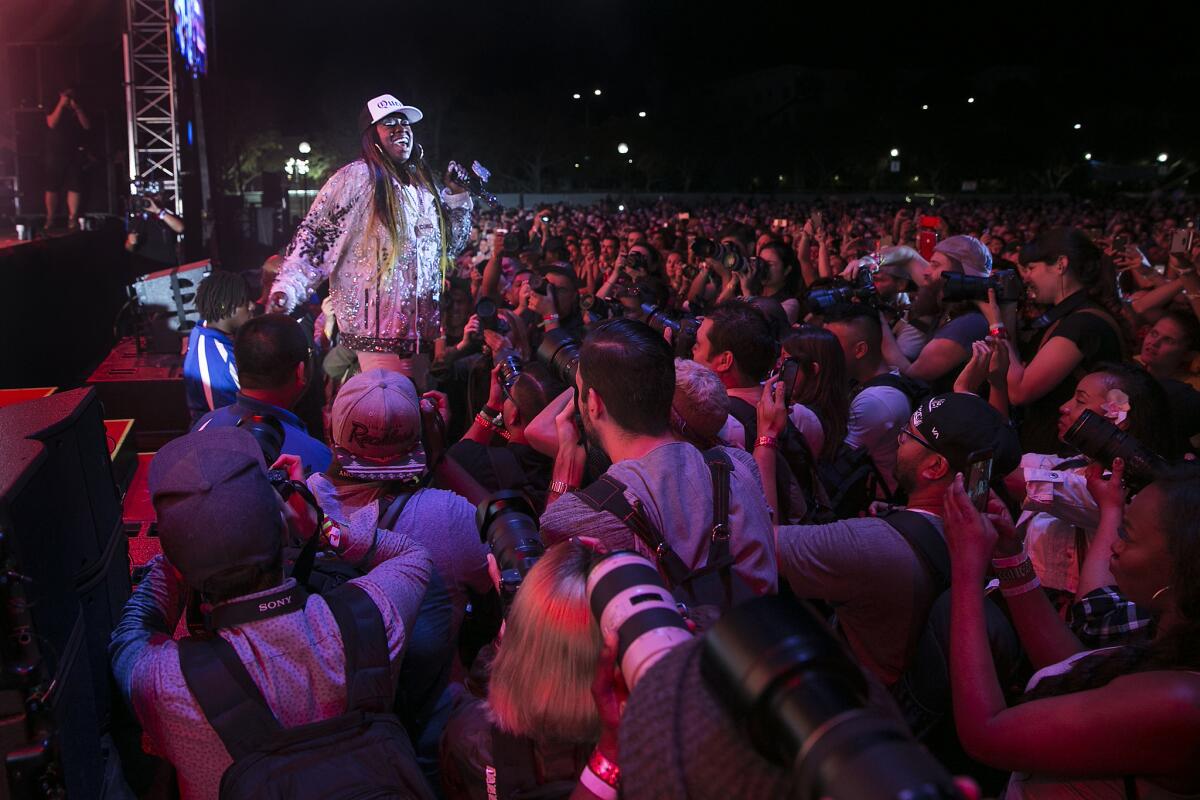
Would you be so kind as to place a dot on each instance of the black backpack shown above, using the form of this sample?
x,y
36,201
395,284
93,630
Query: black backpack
x,y
923,691
363,753
713,584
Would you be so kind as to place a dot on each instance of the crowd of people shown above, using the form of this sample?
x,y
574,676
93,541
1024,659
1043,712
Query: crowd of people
x,y
964,434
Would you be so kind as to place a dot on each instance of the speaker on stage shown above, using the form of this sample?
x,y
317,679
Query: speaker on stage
x,y
60,522
168,302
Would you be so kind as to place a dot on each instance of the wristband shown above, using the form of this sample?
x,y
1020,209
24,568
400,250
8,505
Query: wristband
x,y
550,318
162,212
605,770
1014,576
561,487
493,413
766,441
999,330
594,784
1028,586
1010,561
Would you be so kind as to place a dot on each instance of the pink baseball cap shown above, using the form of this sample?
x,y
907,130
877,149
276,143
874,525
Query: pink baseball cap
x,y
376,424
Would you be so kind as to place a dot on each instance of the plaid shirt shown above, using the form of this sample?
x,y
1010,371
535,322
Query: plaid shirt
x,y
1105,617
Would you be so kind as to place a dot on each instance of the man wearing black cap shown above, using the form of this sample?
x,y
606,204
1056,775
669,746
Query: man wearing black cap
x,y
385,235
865,568
222,533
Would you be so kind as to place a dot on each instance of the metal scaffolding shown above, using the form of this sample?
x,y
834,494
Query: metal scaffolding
x,y
150,100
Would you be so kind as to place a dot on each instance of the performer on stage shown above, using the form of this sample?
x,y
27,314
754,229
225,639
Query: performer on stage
x,y
383,234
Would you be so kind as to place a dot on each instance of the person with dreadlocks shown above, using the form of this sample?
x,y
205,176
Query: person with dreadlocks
x,y
210,378
383,233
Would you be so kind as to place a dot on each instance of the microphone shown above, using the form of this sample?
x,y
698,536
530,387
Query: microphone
x,y
474,181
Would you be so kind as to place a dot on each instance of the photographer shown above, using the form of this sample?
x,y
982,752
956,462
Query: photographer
x,y
534,725
375,481
624,385
154,231
222,535
953,326
1113,722
494,449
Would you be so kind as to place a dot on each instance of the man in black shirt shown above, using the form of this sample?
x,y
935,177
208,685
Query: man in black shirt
x,y
1168,348
154,232
65,156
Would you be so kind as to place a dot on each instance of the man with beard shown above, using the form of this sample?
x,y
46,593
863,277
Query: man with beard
x,y
879,587
624,388
383,233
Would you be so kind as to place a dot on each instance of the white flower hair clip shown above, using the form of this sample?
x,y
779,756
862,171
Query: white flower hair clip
x,y
1115,406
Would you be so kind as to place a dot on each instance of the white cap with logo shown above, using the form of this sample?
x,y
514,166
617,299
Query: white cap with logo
x,y
384,105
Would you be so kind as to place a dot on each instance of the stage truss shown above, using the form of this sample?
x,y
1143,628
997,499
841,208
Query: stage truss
x,y
150,99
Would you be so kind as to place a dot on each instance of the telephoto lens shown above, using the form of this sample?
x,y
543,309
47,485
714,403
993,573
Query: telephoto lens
x,y
959,287
510,369
780,671
1100,440
657,319
628,596
509,526
560,352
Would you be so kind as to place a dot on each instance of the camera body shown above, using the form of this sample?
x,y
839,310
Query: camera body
x,y
560,352
959,286
1100,440
862,289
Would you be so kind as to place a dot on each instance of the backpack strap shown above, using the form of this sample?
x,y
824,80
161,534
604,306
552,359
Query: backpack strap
x,y
1095,312
369,686
926,542
506,468
721,467
225,692
608,494
390,515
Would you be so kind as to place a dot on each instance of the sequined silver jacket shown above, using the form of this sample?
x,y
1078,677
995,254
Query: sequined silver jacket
x,y
394,310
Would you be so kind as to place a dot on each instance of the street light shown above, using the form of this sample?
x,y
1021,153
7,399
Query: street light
x,y
970,99
305,148
1162,158
925,107
1078,126
622,148
1087,156
642,114
597,93
576,96
895,153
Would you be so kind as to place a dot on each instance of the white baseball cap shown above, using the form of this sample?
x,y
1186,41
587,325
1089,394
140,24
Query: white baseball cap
x,y
384,105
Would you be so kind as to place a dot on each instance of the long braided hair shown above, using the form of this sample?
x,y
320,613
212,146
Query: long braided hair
x,y
1178,496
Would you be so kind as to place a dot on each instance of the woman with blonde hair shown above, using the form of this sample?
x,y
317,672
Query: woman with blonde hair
x,y
539,723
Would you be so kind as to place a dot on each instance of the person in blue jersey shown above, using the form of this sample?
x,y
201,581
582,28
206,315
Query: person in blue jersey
x,y
210,377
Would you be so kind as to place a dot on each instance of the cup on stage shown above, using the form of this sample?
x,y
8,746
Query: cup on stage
x,y
23,233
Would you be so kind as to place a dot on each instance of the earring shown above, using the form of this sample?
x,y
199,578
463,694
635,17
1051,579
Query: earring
x,y
380,149
1160,591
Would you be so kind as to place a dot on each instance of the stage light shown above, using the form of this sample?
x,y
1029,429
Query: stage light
x,y
576,96
576,165
622,148
1087,156
631,161
305,148
1162,158
597,93
642,114
620,208
970,99
895,153
1078,126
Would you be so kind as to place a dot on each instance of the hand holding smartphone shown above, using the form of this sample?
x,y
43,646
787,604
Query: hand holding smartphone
x,y
979,478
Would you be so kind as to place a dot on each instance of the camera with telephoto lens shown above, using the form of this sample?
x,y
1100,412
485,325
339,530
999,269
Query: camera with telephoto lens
x,y
725,253
958,286
683,330
636,261
560,352
1102,441
627,595
862,289
597,307
801,699
537,282
508,525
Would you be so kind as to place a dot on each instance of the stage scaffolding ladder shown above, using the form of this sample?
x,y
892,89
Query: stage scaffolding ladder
x,y
150,98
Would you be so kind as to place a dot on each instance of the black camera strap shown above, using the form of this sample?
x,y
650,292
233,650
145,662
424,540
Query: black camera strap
x,y
283,600
608,494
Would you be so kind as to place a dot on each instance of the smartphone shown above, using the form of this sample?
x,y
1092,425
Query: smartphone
x,y
1120,242
979,478
789,373
1181,240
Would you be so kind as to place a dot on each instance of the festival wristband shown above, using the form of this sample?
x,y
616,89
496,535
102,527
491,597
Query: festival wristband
x,y
1024,588
766,441
561,487
1010,561
605,770
596,786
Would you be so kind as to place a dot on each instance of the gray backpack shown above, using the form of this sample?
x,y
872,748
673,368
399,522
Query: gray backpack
x,y
363,753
